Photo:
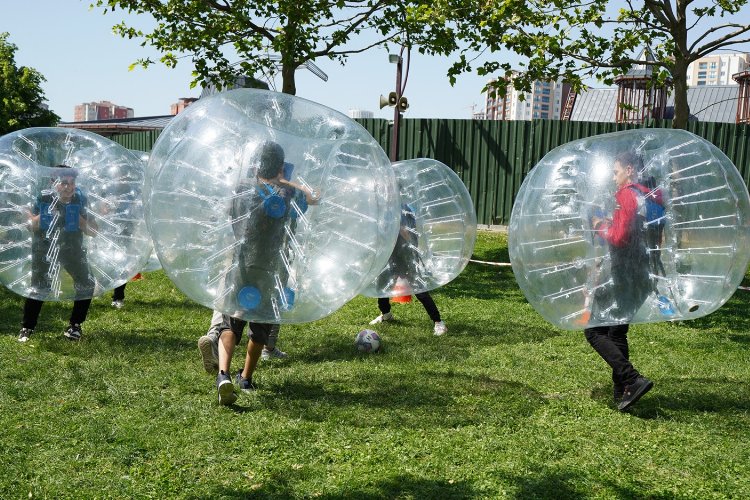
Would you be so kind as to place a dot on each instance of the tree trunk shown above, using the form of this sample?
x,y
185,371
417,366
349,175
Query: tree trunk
x,y
288,85
289,54
681,108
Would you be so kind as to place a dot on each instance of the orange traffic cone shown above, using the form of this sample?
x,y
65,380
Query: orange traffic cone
x,y
401,287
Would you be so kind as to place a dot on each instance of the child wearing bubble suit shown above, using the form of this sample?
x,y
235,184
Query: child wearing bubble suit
x,y
58,221
260,212
403,263
208,344
631,282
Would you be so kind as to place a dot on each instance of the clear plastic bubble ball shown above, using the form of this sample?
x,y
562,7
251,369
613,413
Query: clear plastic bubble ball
x,y
152,264
71,214
437,233
638,226
268,207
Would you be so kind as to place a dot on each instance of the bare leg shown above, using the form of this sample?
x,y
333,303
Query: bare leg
x,y
226,349
251,359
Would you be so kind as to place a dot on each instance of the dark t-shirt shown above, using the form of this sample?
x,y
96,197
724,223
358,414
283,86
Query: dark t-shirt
x,y
261,224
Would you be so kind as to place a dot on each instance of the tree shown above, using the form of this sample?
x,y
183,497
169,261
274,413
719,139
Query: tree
x,y
21,94
576,41
296,31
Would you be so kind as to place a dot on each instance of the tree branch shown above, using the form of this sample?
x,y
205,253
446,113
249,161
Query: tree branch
x,y
364,17
713,45
661,11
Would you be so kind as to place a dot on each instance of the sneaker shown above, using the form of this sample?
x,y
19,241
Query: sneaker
x,y
24,334
246,385
265,355
118,304
634,391
224,386
383,317
73,332
208,345
617,392
440,328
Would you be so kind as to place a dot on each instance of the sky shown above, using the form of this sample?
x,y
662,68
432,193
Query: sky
x,y
74,48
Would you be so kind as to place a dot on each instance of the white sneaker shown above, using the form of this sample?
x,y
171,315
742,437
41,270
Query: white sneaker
x,y
383,317
265,354
440,328
118,304
208,345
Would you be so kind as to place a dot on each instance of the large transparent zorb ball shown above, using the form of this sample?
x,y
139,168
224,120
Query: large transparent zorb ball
x,y
71,214
269,207
672,245
152,263
438,228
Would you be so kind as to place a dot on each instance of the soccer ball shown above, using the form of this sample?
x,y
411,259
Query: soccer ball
x,y
367,341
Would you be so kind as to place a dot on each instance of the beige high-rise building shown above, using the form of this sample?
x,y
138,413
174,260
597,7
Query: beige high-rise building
x,y
360,113
717,69
546,100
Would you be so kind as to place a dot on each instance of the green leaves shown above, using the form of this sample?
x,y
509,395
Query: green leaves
x,y
563,40
297,30
22,97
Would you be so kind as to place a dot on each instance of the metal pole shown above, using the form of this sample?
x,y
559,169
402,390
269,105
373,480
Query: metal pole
x,y
396,112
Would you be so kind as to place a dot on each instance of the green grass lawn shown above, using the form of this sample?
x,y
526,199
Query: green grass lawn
x,y
505,405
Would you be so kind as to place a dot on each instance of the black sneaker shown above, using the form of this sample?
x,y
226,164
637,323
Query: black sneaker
x,y
24,334
224,386
245,384
634,391
73,332
617,392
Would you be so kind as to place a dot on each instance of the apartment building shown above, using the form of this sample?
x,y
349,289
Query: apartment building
x,y
717,69
102,110
546,100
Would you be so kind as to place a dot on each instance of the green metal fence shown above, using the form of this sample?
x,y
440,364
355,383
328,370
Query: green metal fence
x,y
493,157
140,141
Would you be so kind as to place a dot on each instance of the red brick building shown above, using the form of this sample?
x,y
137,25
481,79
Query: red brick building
x,y
103,110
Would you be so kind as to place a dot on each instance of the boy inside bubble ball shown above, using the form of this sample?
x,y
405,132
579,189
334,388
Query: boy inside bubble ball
x,y
631,282
261,211
58,223
403,265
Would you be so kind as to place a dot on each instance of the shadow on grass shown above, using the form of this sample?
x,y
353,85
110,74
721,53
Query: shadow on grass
x,y
119,344
549,482
422,400
743,340
482,281
731,317
542,483
678,399
452,347
282,487
57,313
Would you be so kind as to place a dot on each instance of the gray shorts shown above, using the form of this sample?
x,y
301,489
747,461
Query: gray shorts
x,y
259,332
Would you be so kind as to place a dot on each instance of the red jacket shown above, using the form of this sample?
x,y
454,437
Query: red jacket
x,y
618,231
